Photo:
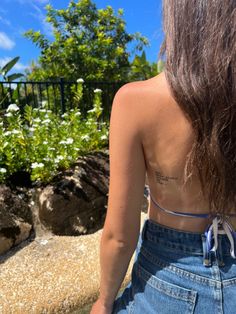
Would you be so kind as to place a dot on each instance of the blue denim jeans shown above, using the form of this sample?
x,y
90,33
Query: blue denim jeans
x,y
168,275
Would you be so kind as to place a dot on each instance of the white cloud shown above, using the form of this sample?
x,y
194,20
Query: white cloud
x,y
41,17
18,66
35,1
6,42
5,21
42,1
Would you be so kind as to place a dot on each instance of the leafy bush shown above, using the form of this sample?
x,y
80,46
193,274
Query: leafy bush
x,y
42,143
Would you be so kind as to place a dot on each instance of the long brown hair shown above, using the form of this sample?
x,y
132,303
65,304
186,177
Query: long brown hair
x,y
200,67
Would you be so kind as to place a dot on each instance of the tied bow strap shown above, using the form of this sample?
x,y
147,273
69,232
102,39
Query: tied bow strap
x,y
219,225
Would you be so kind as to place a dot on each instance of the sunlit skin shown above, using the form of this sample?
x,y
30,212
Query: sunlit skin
x,y
149,139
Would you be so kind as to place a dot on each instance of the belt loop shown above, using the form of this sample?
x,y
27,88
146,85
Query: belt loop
x,y
144,229
206,252
220,253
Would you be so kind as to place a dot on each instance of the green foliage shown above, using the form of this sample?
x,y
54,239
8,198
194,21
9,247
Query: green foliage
x,y
7,67
43,143
142,69
160,66
7,94
88,42
77,92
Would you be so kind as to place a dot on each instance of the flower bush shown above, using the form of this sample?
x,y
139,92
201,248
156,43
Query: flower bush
x,y
42,143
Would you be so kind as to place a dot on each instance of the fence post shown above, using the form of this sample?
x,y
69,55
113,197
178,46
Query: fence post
x,y
63,109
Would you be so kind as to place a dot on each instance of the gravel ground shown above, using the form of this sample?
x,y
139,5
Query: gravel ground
x,y
53,274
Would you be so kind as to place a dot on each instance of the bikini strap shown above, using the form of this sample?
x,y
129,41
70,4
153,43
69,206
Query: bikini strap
x,y
176,213
219,225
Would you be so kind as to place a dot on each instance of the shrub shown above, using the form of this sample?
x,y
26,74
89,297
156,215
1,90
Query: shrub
x,y
42,143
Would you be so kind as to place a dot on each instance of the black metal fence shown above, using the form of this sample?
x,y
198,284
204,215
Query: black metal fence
x,y
58,96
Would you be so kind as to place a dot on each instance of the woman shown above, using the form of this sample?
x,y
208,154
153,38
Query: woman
x,y
179,129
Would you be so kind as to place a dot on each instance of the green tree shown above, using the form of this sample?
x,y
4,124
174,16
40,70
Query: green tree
x,y
142,69
88,42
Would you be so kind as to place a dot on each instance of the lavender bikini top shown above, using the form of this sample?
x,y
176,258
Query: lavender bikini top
x,y
219,225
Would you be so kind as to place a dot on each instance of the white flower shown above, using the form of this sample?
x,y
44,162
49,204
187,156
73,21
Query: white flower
x,y
7,133
46,121
77,149
31,129
37,165
58,158
64,115
12,107
37,120
80,80
3,170
77,113
46,159
97,90
69,140
62,142
103,137
85,137
42,110
92,110
9,114
63,123
45,142
44,103
15,132
51,148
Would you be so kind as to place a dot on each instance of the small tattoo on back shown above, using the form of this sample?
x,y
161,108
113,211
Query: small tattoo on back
x,y
161,179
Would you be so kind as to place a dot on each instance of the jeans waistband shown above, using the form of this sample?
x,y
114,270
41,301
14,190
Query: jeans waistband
x,y
178,240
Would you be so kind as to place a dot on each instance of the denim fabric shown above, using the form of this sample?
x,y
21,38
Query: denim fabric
x,y
168,275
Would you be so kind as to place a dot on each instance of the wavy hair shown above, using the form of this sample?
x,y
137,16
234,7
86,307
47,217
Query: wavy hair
x,y
200,68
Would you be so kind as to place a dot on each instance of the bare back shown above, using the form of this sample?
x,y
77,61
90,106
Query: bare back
x,y
167,137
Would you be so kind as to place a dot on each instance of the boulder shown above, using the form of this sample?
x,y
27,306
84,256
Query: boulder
x,y
75,202
15,218
56,274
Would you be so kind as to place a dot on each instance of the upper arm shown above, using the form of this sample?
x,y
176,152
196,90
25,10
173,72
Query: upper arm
x,y
127,169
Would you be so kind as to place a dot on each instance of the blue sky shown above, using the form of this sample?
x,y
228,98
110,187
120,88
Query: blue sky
x,y
18,16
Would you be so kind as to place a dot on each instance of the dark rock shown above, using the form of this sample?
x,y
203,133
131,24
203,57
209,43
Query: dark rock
x,y
75,202
15,218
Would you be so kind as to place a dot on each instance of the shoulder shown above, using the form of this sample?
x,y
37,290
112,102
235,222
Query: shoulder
x,y
140,91
139,99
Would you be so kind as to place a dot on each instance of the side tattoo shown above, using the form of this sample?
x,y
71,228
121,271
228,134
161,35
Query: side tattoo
x,y
161,179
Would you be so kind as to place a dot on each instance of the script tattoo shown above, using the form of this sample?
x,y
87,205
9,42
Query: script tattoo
x,y
161,179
